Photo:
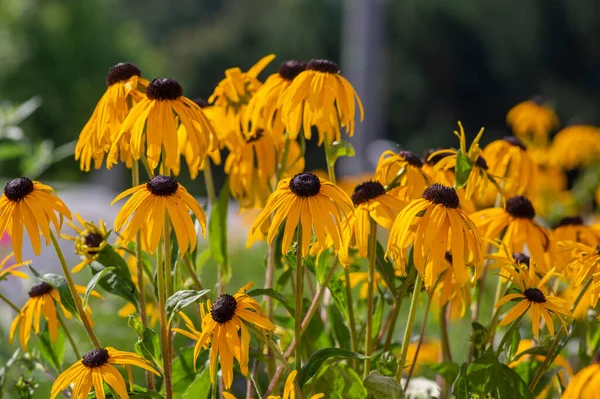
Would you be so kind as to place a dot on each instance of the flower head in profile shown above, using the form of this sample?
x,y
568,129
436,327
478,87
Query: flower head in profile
x,y
515,226
42,302
586,383
533,296
435,224
532,120
89,241
576,146
97,367
224,327
310,202
32,206
125,86
12,269
320,96
151,127
403,169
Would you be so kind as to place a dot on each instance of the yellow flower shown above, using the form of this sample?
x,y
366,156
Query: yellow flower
x,y
89,241
124,84
508,159
532,120
149,205
403,169
585,384
576,146
289,392
435,224
357,278
307,200
370,202
12,269
534,296
517,222
584,265
429,353
222,326
572,228
97,367
30,204
457,297
40,303
151,126
319,97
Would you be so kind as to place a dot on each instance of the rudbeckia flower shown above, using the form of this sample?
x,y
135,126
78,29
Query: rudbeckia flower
x,y
89,241
437,175
429,353
96,367
124,83
306,199
576,146
533,296
32,205
457,297
370,202
289,391
151,125
320,96
584,265
403,169
149,203
508,159
572,228
517,221
40,303
434,224
12,269
222,326
586,383
532,120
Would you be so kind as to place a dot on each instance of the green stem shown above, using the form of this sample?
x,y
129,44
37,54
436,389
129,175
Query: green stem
x,y
299,292
330,164
370,296
69,337
409,327
135,181
421,338
352,320
397,307
84,319
10,303
444,337
164,326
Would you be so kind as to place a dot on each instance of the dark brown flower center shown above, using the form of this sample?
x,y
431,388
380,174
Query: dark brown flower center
x,y
305,185
598,249
95,358
291,68
482,163
122,72
448,257
224,308
164,89
521,258
534,295
202,103
367,191
40,289
162,185
411,158
570,221
93,240
512,140
19,188
520,207
323,66
257,135
440,194
432,160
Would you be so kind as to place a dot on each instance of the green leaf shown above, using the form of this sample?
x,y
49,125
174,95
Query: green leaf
x,y
92,284
181,299
387,364
275,295
511,385
200,388
463,169
338,326
536,351
59,283
117,281
385,268
53,352
143,393
512,343
217,231
460,388
148,344
338,291
319,357
339,149
448,370
183,370
382,387
337,381
483,374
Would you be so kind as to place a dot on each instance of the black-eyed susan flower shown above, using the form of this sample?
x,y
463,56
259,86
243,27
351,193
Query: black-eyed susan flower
x,y
89,241
437,175
125,84
320,96
289,391
583,266
370,202
97,367
458,298
30,205
147,207
12,269
533,296
435,224
223,326
508,159
151,127
307,200
572,228
532,120
586,383
576,146
41,302
515,225
403,169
